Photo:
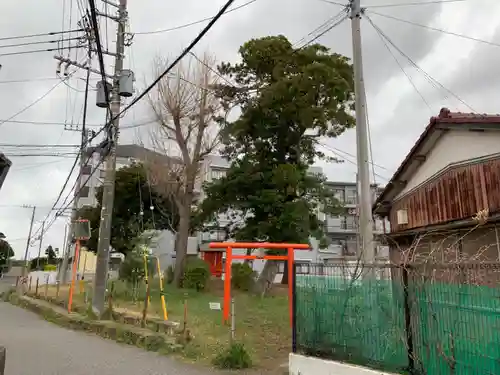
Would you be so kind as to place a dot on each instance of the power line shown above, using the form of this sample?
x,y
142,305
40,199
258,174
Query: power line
x,y
29,80
36,43
33,103
331,27
415,3
435,29
194,22
399,64
102,67
179,58
56,123
430,79
338,154
65,155
42,34
22,145
333,2
37,51
324,24
209,68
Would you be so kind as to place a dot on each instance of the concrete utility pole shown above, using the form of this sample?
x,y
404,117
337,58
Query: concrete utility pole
x,y
103,247
366,249
40,246
28,241
63,274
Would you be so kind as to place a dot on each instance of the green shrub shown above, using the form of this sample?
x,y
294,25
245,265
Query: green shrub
x,y
132,268
196,274
242,276
169,275
50,267
235,357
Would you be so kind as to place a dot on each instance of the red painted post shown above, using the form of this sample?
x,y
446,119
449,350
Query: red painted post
x,y
227,283
291,260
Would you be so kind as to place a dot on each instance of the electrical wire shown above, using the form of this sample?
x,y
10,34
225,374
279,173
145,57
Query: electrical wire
x,y
394,5
429,78
346,159
317,29
399,64
42,34
75,195
55,123
194,22
434,29
331,27
209,68
333,2
176,61
102,67
29,80
35,165
33,103
36,51
35,43
68,155
22,145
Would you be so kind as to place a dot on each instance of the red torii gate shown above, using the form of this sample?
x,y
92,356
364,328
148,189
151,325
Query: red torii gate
x,y
229,246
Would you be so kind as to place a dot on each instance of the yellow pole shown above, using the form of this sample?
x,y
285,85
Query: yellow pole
x,y
162,296
146,273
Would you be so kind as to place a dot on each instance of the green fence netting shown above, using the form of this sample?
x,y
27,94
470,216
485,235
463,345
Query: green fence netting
x,y
455,328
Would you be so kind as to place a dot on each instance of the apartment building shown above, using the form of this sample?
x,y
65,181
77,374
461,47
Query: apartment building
x,y
125,156
342,230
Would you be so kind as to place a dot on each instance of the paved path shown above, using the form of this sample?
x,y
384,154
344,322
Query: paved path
x,y
36,347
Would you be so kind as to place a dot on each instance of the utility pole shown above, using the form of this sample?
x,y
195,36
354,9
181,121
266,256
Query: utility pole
x,y
366,250
28,241
40,246
103,248
63,274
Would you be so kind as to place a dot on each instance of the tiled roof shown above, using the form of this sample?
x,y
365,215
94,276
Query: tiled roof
x,y
445,118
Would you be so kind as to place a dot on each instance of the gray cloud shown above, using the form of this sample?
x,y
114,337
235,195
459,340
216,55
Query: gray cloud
x,y
38,180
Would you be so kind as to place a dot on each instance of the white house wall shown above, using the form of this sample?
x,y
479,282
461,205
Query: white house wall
x,y
453,147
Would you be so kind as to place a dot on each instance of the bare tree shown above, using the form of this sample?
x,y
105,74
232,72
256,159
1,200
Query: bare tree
x,y
186,131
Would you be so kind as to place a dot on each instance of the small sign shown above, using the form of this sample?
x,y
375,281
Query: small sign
x,y
214,305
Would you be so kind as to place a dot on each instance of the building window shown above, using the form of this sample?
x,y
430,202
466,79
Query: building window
x,y
216,174
84,192
351,196
343,222
351,222
86,170
339,194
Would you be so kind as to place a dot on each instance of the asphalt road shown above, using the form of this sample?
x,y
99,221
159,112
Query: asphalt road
x,y
36,347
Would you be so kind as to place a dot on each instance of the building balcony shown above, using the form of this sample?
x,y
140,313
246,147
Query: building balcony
x,y
342,228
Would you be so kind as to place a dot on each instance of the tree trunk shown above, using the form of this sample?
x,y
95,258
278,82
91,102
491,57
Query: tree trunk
x,y
181,245
284,280
266,278
249,252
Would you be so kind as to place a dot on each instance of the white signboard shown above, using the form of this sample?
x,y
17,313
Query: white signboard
x,y
214,305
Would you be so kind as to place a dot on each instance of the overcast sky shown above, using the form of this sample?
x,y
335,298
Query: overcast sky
x,y
397,112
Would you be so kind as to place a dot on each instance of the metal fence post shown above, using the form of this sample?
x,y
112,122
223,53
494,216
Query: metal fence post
x,y
407,312
3,357
294,307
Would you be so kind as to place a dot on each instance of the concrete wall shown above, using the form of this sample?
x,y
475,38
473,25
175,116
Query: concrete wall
x,y
302,365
